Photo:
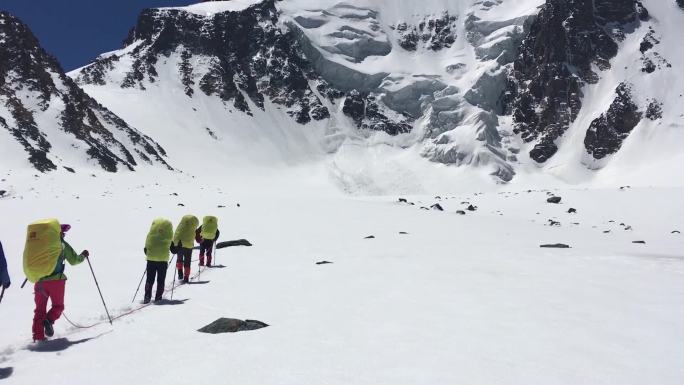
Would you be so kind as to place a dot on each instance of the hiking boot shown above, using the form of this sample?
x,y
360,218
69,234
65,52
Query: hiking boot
x,y
208,264
146,300
49,330
186,280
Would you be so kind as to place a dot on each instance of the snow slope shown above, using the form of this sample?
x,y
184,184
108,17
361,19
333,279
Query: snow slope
x,y
212,7
459,299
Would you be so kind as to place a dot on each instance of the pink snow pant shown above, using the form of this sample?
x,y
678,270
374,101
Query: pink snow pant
x,y
54,291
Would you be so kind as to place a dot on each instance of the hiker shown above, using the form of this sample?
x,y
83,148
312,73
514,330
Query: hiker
x,y
206,235
183,241
50,286
158,245
4,275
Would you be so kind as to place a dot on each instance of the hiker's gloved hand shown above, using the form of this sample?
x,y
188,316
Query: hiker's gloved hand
x,y
85,253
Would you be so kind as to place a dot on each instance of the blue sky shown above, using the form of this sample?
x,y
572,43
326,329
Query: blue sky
x,y
76,31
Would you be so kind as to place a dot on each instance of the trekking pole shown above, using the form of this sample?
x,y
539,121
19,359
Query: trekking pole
x,y
136,290
214,253
99,291
173,284
2,294
24,283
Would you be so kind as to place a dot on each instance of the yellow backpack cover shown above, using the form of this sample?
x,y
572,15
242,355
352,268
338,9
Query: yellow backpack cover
x,y
159,239
209,227
185,232
42,249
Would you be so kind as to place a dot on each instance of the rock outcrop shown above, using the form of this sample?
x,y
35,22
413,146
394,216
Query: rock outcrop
x,y
566,42
607,132
39,103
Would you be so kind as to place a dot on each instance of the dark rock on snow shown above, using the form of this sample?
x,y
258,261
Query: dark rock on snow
x,y
370,237
231,325
437,207
572,210
238,242
555,246
554,200
461,212
639,242
323,263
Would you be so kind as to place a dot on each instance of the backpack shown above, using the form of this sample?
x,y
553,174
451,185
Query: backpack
x,y
185,232
209,227
42,249
158,240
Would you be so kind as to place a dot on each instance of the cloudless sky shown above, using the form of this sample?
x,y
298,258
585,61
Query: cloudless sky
x,y
76,31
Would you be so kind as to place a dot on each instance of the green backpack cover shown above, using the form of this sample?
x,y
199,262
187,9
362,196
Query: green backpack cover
x,y
158,240
185,232
209,227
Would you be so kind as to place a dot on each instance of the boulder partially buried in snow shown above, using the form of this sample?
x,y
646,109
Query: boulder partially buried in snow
x,y
554,199
555,246
231,325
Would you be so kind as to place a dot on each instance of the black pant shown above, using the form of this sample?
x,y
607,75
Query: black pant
x,y
184,257
206,247
183,262
158,269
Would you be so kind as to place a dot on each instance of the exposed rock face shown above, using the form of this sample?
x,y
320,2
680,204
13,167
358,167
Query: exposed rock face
x,y
37,98
654,110
366,112
244,55
680,3
606,133
555,61
433,33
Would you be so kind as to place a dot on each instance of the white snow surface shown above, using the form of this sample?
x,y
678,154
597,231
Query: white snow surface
x,y
460,299
213,7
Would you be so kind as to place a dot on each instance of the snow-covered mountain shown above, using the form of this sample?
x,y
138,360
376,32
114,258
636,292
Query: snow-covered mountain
x,y
580,90
46,118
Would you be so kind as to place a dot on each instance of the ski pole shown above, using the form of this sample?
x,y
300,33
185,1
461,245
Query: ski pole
x,y
99,291
214,246
24,283
140,283
2,294
173,284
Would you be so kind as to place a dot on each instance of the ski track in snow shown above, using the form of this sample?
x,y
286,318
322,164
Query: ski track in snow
x,y
459,299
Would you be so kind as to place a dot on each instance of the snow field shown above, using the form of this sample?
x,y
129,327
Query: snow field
x,y
459,299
